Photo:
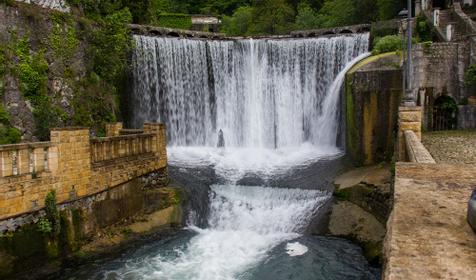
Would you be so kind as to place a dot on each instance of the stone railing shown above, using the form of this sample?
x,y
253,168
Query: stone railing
x,y
416,152
76,166
22,159
118,147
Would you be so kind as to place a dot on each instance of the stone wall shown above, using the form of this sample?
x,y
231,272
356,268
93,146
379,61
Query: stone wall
x,y
467,117
70,164
372,96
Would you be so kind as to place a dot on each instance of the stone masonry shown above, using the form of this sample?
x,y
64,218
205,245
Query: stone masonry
x,y
75,166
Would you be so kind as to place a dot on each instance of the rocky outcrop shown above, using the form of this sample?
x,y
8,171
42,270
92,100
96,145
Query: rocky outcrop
x,y
362,208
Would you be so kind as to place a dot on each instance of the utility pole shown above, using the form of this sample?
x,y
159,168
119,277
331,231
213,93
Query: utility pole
x,y
408,99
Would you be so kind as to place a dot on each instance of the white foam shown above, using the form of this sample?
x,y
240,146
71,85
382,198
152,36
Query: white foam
x,y
245,224
296,249
232,163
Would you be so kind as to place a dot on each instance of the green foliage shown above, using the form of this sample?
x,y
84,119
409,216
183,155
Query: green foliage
x,y
180,21
63,38
92,105
240,23
423,29
110,43
387,44
347,12
388,9
44,226
46,115
52,213
306,17
9,135
470,75
272,17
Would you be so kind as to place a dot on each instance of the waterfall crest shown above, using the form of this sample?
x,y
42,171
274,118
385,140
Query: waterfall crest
x,y
262,93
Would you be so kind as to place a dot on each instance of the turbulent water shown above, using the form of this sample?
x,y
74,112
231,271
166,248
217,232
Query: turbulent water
x,y
262,93
244,224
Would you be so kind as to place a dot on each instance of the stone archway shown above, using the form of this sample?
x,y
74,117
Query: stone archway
x,y
444,113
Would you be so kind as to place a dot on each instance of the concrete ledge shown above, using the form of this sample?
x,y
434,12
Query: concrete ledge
x,y
416,152
428,236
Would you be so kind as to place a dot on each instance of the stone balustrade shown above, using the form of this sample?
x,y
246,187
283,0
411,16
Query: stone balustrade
x,y
22,159
113,148
76,165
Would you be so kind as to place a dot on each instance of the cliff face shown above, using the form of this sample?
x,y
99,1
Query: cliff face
x,y
52,73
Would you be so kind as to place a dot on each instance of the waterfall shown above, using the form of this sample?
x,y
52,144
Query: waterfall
x,y
245,223
266,93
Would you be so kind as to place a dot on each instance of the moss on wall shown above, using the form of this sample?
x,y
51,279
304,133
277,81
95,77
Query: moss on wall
x,y
372,92
29,248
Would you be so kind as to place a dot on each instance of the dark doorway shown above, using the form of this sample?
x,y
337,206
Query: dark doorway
x,y
440,4
445,112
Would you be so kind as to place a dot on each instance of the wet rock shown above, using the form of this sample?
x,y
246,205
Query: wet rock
x,y
251,180
351,221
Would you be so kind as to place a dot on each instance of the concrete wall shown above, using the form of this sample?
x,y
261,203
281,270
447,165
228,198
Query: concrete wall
x,y
372,96
75,166
467,117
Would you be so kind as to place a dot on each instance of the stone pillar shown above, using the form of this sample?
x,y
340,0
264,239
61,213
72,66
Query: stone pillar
x,y
160,141
409,118
113,129
73,152
417,7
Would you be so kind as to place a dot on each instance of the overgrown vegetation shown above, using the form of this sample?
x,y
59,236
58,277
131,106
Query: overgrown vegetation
x,y
470,75
8,134
388,43
248,17
50,224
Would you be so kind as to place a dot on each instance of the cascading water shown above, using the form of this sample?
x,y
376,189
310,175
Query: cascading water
x,y
277,105
271,98
261,93
244,224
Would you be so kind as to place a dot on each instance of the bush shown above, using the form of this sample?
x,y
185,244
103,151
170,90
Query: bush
x,y
180,21
9,135
389,43
52,213
423,29
238,24
470,75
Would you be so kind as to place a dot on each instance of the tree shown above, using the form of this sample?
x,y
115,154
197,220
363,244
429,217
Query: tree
x,y
306,17
240,23
347,12
272,17
389,9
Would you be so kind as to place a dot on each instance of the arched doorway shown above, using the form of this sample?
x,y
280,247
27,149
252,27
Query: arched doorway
x,y
445,112
442,4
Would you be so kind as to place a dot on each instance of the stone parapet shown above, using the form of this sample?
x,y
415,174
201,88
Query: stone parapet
x,y
416,152
76,166
409,118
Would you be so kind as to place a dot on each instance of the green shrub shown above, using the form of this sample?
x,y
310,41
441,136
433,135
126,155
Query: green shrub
x,y
52,213
180,21
423,29
44,226
63,38
389,43
470,75
9,135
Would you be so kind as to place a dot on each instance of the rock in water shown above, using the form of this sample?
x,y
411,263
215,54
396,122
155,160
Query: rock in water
x,y
221,139
472,210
